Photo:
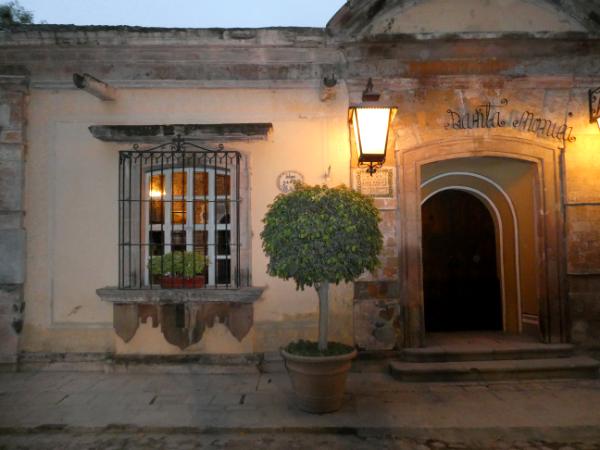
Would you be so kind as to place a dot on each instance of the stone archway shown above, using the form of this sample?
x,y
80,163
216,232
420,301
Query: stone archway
x,y
452,166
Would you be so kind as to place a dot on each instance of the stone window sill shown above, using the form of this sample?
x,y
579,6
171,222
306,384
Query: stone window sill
x,y
174,296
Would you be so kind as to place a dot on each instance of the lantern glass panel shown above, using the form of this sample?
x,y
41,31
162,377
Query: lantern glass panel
x,y
371,129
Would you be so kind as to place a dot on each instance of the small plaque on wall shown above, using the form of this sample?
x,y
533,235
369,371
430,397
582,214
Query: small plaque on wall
x,y
286,180
380,185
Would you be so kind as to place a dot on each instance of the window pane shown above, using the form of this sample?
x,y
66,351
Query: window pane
x,y
157,212
178,241
223,213
179,184
157,186
156,239
200,183
223,182
201,212
178,212
223,271
200,241
223,237
156,243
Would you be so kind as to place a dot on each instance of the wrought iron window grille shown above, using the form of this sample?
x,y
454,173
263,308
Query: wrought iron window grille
x,y
179,205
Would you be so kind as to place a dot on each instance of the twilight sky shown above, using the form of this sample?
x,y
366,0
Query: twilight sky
x,y
185,13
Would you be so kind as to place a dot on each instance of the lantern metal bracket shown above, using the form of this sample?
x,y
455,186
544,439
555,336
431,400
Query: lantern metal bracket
x,y
368,95
372,167
594,99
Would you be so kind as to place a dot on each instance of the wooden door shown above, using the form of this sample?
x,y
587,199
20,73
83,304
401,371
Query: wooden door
x,y
460,274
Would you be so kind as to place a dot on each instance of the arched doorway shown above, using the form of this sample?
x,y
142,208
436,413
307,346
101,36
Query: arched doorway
x,y
461,281
519,181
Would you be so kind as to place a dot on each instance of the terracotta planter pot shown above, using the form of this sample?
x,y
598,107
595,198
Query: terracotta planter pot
x,y
175,282
319,382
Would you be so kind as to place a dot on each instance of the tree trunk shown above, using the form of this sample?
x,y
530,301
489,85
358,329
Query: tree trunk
x,y
323,291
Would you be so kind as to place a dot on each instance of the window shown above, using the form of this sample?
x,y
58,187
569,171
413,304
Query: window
x,y
179,198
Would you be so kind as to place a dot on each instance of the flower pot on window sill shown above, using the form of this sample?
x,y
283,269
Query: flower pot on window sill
x,y
179,282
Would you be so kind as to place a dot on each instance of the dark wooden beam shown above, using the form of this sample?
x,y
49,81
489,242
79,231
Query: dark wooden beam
x,y
224,132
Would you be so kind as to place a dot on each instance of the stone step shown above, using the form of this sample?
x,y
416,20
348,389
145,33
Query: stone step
x,y
498,370
510,351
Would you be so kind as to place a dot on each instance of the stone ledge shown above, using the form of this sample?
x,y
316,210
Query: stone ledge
x,y
171,296
200,363
225,132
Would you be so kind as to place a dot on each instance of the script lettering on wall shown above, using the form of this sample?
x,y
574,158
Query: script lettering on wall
x,y
490,115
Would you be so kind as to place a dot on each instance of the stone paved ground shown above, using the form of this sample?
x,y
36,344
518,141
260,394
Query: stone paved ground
x,y
94,410
114,440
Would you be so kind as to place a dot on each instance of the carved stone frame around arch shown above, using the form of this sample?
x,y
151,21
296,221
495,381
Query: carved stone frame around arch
x,y
552,279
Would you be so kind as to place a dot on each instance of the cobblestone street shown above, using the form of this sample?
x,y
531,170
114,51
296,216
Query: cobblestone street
x,y
109,411
114,440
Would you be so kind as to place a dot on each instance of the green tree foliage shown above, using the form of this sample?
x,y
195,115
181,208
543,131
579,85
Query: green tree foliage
x,y
319,234
12,13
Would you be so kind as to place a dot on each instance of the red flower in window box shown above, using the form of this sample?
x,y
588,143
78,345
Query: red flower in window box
x,y
179,282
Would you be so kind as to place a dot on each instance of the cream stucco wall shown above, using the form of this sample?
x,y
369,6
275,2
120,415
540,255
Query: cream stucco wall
x,y
71,203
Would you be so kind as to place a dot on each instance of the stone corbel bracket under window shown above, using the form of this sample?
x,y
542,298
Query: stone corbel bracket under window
x,y
182,314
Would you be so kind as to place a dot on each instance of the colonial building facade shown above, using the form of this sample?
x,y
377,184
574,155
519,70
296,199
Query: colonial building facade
x,y
118,144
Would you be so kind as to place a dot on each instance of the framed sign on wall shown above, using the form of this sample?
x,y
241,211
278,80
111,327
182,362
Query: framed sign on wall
x,y
286,180
379,185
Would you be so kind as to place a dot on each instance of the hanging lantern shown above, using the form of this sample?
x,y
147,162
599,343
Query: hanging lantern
x,y
371,126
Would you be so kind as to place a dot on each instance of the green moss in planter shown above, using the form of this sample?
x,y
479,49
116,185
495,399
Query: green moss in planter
x,y
184,264
309,348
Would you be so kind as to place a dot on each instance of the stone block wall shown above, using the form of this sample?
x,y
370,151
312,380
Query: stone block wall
x,y
13,94
583,267
584,298
377,308
377,315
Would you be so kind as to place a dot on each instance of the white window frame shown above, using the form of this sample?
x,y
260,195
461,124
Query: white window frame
x,y
212,227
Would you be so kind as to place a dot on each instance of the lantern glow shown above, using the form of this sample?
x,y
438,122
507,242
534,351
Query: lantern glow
x,y
371,127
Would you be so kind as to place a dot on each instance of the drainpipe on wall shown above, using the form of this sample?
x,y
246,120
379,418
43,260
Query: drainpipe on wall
x,y
94,86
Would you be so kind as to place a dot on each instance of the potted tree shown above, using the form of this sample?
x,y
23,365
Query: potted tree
x,y
318,235
179,269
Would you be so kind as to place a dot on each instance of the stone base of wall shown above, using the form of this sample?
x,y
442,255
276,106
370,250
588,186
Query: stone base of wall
x,y
13,91
11,322
584,298
110,363
377,315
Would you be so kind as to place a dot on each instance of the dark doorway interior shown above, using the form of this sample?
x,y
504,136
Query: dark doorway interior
x,y
460,277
